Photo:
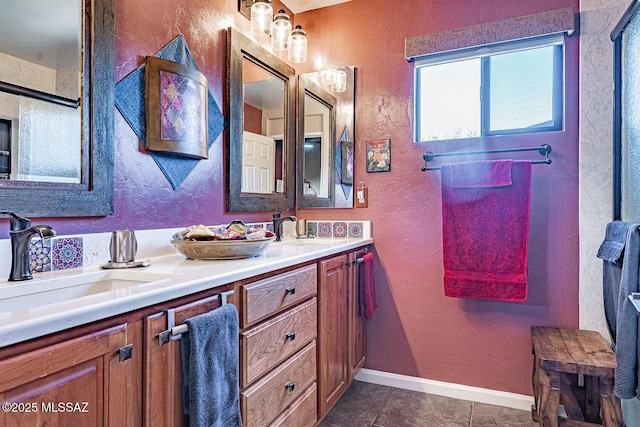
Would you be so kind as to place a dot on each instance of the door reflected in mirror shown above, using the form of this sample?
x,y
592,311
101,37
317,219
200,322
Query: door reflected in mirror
x,y
263,131
41,79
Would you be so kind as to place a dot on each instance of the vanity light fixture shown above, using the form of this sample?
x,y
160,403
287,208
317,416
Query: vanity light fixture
x,y
328,76
340,82
298,48
261,17
281,31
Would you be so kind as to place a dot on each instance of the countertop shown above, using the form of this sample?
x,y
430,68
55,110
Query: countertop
x,y
177,277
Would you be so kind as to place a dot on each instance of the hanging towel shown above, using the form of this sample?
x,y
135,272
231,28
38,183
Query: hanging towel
x,y
485,229
209,352
610,252
622,281
368,302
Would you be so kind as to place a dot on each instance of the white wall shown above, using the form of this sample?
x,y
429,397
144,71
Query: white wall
x,y
597,19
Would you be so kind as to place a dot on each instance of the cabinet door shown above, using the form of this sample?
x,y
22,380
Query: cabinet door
x,y
332,332
79,382
163,369
357,324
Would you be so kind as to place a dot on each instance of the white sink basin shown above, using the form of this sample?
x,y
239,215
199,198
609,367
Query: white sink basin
x,y
21,296
313,242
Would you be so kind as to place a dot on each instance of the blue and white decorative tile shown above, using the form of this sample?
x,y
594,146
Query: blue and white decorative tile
x,y
339,229
269,227
355,230
67,253
312,228
40,255
324,229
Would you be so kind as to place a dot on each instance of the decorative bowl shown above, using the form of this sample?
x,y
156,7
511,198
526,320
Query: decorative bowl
x,y
220,249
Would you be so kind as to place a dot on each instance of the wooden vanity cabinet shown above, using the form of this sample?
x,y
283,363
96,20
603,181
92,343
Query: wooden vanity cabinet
x,y
341,330
162,371
278,356
81,381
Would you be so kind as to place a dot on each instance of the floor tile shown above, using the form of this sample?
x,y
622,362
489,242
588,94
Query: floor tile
x,y
498,416
331,421
359,405
414,409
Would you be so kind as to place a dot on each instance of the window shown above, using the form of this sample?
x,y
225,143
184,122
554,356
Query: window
x,y
500,89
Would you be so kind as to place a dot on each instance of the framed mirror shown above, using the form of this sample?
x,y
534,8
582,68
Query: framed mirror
x,y
340,93
316,145
261,143
56,119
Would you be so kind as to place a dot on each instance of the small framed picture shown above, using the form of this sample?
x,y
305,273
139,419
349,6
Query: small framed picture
x,y
379,155
176,108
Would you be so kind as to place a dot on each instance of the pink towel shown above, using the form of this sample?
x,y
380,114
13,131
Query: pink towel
x,y
485,229
368,302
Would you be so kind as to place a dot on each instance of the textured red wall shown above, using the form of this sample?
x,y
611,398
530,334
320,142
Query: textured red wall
x,y
418,331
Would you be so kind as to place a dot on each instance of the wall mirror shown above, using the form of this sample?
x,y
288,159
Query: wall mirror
x,y
56,107
325,157
261,143
316,145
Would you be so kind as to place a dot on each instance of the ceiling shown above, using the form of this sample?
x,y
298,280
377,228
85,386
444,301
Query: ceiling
x,y
298,6
41,31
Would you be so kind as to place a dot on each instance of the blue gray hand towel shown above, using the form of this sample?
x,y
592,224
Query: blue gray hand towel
x,y
620,279
210,363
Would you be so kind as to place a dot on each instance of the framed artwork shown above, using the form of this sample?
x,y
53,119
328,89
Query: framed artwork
x,y
176,109
379,156
346,172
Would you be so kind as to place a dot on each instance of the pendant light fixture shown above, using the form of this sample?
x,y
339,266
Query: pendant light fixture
x,y
261,17
281,31
298,46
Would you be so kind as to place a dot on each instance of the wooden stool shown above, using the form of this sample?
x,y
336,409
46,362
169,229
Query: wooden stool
x,y
559,356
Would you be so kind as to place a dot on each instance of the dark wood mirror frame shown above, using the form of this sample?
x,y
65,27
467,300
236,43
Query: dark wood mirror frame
x,y
240,48
306,87
94,195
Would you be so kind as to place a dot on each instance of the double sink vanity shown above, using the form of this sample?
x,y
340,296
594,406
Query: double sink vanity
x,y
109,340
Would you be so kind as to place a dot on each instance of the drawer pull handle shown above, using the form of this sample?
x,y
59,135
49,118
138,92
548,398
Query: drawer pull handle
x,y
290,291
290,386
291,336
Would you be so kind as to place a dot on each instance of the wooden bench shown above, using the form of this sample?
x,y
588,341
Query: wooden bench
x,y
560,355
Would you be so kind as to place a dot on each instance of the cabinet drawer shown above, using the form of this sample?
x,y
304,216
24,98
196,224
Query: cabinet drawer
x,y
302,413
266,399
269,296
268,344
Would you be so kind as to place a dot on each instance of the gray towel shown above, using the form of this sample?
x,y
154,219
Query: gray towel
x,y
610,252
627,381
210,362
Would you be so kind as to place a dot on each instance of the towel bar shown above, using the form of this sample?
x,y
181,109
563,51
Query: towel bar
x,y
175,331
543,150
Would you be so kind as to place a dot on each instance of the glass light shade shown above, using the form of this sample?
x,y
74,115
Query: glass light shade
x,y
340,84
298,46
281,31
261,17
328,76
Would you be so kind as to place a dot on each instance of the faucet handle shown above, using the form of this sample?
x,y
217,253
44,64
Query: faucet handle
x,y
17,222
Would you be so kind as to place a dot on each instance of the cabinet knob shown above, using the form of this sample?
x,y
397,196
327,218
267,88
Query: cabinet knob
x,y
290,336
125,353
290,386
290,291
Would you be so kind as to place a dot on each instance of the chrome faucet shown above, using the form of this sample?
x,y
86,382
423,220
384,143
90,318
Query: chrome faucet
x,y
277,224
21,232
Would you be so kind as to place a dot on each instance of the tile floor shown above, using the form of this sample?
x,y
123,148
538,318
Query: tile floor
x,y
372,405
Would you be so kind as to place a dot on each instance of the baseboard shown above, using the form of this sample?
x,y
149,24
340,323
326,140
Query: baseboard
x,y
458,391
